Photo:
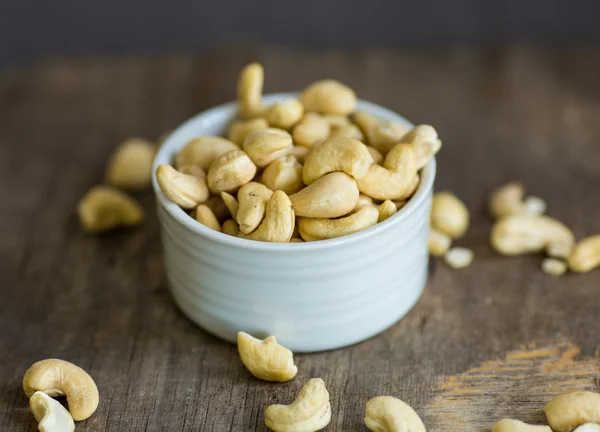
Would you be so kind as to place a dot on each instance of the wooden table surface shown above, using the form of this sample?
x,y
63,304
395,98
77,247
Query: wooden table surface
x,y
496,339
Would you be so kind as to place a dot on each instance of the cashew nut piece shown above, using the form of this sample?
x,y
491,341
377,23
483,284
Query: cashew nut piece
x,y
567,411
311,129
459,257
386,209
203,151
103,208
283,174
329,97
184,190
382,135
438,243
240,129
585,255
425,142
279,221
349,130
300,152
310,411
554,267
266,359
375,154
394,180
266,145
588,427
390,414
333,195
249,91
130,167
206,217
50,414
252,199
449,214
337,154
312,229
230,227
508,200
230,171
231,203
510,425
521,234
285,114
61,378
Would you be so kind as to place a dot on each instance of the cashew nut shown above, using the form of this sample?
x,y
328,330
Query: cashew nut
x,y
50,414
521,234
386,209
588,427
510,425
203,151
459,257
249,91
310,411
311,129
336,121
185,190
300,152
363,200
230,171
329,97
377,157
508,200
425,142
312,229
390,414
337,154
206,217
382,135
285,114
567,411
130,167
438,243
193,170
554,267
395,179
349,130
103,208
279,221
230,227
283,174
333,195
217,206
585,255
449,214
266,359
61,378
231,204
266,145
252,198
240,129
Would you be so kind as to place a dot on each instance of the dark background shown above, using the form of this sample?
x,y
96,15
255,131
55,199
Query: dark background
x,y
33,29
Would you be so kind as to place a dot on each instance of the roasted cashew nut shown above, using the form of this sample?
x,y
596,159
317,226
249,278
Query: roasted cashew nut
x,y
50,414
310,411
395,180
230,171
279,221
337,154
285,114
585,255
61,378
266,359
425,142
185,190
381,135
510,425
283,174
449,214
240,129
130,167
104,208
389,414
266,145
521,234
203,151
252,199
329,97
249,91
509,200
570,410
312,128
312,229
333,195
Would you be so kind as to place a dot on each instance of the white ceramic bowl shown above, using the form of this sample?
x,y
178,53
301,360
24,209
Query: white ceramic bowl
x,y
313,296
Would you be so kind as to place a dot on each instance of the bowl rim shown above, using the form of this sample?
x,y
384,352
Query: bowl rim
x,y
227,109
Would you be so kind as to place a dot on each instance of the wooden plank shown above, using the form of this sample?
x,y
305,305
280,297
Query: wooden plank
x,y
513,113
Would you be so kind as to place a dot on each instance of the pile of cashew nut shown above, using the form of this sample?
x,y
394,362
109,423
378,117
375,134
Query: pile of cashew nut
x,y
299,170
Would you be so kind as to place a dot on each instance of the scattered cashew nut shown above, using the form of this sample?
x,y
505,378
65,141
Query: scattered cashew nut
x,y
240,129
333,195
585,255
438,243
185,190
266,359
459,257
203,151
554,267
510,425
312,229
252,199
249,91
104,208
509,200
283,174
266,145
61,378
230,171
279,221
310,411
130,167
449,214
390,414
285,114
567,411
50,414
329,97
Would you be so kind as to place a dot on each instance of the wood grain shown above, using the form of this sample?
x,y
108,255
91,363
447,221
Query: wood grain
x,y
102,303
